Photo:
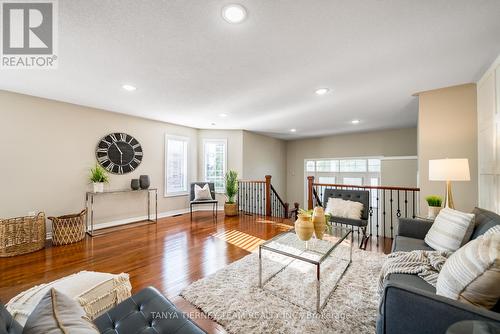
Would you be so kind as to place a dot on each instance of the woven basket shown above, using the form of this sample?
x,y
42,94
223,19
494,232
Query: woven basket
x,y
22,235
68,229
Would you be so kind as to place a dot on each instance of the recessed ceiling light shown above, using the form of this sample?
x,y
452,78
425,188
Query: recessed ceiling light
x,y
293,130
234,13
222,115
322,91
355,121
129,88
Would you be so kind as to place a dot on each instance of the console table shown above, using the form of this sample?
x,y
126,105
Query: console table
x,y
90,197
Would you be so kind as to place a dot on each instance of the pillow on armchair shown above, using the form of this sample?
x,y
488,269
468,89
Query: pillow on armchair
x,y
202,194
346,209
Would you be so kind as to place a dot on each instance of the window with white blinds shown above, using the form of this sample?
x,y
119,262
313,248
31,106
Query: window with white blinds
x,y
351,171
214,162
176,164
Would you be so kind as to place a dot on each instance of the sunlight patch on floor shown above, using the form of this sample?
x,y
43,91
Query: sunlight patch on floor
x,y
240,239
281,226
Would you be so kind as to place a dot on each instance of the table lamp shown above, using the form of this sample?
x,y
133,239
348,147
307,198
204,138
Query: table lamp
x,y
449,170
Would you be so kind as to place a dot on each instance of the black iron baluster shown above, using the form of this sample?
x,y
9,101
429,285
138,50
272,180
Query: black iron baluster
x,y
383,220
413,198
392,228
398,213
406,203
371,212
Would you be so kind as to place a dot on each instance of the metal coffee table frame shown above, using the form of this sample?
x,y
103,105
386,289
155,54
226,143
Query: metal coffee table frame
x,y
319,305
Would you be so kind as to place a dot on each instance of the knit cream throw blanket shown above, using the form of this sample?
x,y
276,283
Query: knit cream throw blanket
x,y
425,264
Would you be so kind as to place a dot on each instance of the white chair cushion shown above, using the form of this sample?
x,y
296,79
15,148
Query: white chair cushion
x,y
450,230
346,209
202,194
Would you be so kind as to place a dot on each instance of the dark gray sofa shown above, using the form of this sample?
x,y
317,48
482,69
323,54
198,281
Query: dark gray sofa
x,y
148,311
410,305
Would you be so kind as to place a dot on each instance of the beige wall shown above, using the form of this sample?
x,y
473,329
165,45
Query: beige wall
x,y
400,142
447,128
399,172
49,146
263,156
488,127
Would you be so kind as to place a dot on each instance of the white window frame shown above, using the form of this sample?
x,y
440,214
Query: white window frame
x,y
177,193
214,140
366,176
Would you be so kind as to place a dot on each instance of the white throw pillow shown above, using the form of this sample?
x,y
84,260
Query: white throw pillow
x,y
472,274
450,230
338,207
202,194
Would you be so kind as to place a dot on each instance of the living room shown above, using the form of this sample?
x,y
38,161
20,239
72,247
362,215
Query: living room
x,y
250,167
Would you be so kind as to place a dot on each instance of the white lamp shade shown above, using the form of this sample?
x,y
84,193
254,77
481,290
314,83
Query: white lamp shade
x,y
449,170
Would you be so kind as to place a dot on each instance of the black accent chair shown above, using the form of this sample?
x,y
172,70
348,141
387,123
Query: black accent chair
x,y
213,201
361,196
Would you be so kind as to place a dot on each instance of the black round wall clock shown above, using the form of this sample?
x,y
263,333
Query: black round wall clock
x,y
119,153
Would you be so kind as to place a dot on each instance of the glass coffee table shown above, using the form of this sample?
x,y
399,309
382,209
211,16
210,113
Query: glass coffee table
x,y
303,260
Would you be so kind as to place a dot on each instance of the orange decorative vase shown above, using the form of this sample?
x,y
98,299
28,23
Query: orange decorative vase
x,y
304,227
319,222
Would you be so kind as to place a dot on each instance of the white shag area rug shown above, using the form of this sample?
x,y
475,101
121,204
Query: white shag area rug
x,y
233,298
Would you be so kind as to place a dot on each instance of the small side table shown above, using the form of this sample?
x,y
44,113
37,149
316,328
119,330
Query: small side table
x,y
474,327
89,200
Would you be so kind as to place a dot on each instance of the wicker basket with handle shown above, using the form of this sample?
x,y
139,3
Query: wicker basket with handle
x,y
68,229
22,235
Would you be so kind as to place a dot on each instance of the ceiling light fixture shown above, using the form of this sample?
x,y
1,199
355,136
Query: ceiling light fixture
x,y
234,13
322,91
293,130
223,115
129,88
355,121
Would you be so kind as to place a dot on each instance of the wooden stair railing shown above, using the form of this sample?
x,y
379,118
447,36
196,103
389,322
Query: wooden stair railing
x,y
387,204
261,198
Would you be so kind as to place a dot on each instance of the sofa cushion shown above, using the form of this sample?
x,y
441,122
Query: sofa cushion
x,y
58,314
484,220
450,230
405,244
472,273
411,280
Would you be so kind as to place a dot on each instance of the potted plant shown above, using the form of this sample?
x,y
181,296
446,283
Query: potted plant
x,y
230,207
98,176
434,203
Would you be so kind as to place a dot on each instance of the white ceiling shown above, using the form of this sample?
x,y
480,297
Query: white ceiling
x,y
189,65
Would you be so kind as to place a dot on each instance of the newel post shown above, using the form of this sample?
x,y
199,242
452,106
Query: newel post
x,y
310,181
268,195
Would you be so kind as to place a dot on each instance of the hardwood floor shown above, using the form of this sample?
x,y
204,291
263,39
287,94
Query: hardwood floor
x,y
169,256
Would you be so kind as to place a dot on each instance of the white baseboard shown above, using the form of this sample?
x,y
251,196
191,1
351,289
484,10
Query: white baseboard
x,y
141,218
